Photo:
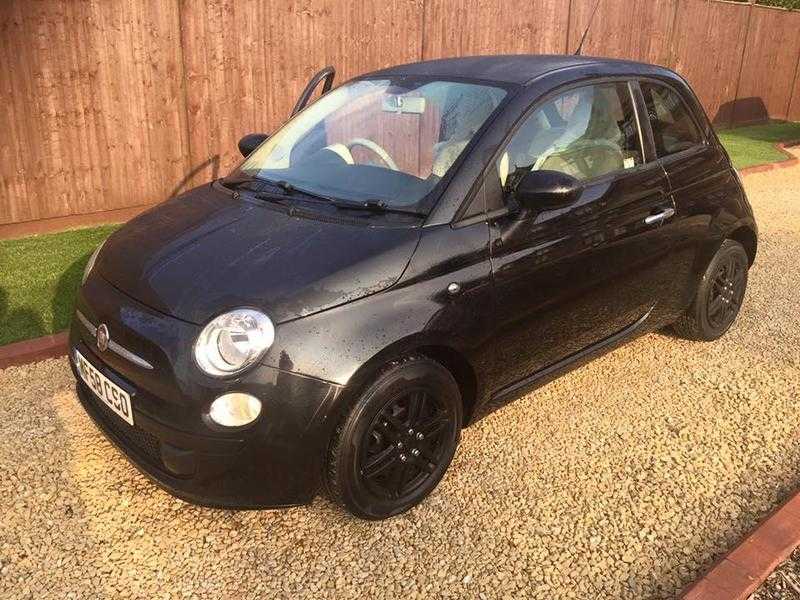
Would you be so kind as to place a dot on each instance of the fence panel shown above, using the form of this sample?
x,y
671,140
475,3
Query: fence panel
x,y
707,50
469,27
773,46
634,29
794,106
92,114
247,61
108,104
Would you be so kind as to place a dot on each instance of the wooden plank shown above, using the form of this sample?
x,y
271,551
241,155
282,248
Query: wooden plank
x,y
93,115
631,29
707,51
247,61
470,27
794,103
770,62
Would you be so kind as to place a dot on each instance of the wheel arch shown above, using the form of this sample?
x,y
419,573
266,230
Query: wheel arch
x,y
745,235
451,358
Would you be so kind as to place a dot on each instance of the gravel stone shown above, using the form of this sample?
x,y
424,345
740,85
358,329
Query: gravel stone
x,y
626,478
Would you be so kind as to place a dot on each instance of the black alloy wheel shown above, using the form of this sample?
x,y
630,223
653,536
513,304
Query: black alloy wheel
x,y
726,291
405,444
397,441
719,296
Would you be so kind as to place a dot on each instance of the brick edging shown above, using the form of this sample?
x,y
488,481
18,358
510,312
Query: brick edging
x,y
791,161
28,351
742,571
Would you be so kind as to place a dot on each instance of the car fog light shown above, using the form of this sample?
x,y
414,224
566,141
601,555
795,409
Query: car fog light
x,y
235,409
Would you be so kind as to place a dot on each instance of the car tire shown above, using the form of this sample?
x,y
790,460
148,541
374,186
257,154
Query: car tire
x,y
397,440
719,296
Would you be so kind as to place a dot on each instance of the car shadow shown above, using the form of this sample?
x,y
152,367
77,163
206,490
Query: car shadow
x,y
212,162
742,111
25,321
66,292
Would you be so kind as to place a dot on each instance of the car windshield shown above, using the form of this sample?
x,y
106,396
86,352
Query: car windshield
x,y
380,140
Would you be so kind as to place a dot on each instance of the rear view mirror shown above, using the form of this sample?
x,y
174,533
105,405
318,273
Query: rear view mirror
x,y
250,142
547,189
410,105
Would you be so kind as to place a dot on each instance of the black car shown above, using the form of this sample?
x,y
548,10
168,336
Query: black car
x,y
418,246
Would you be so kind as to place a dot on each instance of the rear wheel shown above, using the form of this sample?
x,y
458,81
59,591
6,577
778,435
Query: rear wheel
x,y
396,443
719,295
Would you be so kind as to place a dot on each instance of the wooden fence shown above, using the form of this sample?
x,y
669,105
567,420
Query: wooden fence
x,y
111,105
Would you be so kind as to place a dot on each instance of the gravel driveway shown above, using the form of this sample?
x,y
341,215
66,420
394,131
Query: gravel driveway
x,y
624,479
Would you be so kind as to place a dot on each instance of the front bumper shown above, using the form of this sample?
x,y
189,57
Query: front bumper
x,y
274,462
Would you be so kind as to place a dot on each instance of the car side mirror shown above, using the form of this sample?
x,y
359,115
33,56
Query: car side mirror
x,y
250,142
546,189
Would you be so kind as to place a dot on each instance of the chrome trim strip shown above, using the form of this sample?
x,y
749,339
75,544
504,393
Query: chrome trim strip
x,y
114,346
86,323
127,354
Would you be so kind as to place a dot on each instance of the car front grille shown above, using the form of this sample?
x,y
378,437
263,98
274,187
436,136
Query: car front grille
x,y
134,439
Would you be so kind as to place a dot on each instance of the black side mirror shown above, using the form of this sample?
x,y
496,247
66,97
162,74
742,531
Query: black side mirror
x,y
250,142
547,189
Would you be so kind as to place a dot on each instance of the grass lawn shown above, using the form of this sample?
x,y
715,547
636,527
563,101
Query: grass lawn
x,y
755,144
39,277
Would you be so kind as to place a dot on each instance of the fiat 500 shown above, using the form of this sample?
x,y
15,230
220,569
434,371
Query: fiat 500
x,y
416,247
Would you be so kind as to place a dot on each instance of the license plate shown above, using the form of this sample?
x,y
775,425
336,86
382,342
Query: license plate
x,y
111,394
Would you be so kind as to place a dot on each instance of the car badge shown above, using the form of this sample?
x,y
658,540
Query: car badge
x,y
103,337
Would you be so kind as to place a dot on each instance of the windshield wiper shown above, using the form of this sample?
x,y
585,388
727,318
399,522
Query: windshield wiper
x,y
374,206
237,184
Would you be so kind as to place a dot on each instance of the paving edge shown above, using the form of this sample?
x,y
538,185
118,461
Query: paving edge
x,y
790,161
742,571
28,351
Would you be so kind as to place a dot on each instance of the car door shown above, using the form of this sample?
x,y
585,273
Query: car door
x,y
568,278
698,173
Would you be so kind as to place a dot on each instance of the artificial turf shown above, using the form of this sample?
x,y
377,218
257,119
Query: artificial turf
x,y
755,144
39,277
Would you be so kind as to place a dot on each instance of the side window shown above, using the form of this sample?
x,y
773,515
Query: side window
x,y
584,132
674,129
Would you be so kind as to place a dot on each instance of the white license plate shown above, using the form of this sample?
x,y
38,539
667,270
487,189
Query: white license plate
x,y
111,394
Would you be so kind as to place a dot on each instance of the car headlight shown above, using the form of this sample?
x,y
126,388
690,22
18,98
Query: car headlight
x,y
90,264
233,341
235,409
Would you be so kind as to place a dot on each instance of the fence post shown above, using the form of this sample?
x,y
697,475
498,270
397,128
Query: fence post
x,y
741,62
566,29
671,45
794,87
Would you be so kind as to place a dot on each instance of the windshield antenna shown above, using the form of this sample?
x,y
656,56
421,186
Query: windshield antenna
x,y
586,31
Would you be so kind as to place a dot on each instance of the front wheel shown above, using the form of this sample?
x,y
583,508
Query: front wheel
x,y
719,295
396,443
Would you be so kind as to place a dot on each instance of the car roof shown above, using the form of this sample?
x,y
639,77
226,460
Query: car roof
x,y
510,68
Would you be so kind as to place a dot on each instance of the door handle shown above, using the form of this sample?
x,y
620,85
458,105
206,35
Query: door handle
x,y
659,217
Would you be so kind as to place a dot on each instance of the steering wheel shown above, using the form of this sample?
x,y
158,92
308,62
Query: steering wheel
x,y
602,152
345,151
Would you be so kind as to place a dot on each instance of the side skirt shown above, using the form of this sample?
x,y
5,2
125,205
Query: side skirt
x,y
515,390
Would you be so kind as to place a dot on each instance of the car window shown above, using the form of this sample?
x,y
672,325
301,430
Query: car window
x,y
390,140
584,132
674,129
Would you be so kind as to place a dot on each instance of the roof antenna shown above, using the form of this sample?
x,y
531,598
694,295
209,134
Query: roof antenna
x,y
586,31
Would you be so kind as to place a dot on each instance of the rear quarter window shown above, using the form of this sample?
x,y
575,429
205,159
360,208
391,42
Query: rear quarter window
x,y
674,129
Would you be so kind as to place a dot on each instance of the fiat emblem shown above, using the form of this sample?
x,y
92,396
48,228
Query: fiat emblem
x,y
102,338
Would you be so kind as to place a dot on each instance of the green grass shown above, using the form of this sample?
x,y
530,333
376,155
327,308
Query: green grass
x,y
39,277
755,144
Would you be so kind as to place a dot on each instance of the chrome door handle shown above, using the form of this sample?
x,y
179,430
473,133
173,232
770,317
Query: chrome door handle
x,y
662,216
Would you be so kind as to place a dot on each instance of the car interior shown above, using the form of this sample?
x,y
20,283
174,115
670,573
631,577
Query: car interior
x,y
586,132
